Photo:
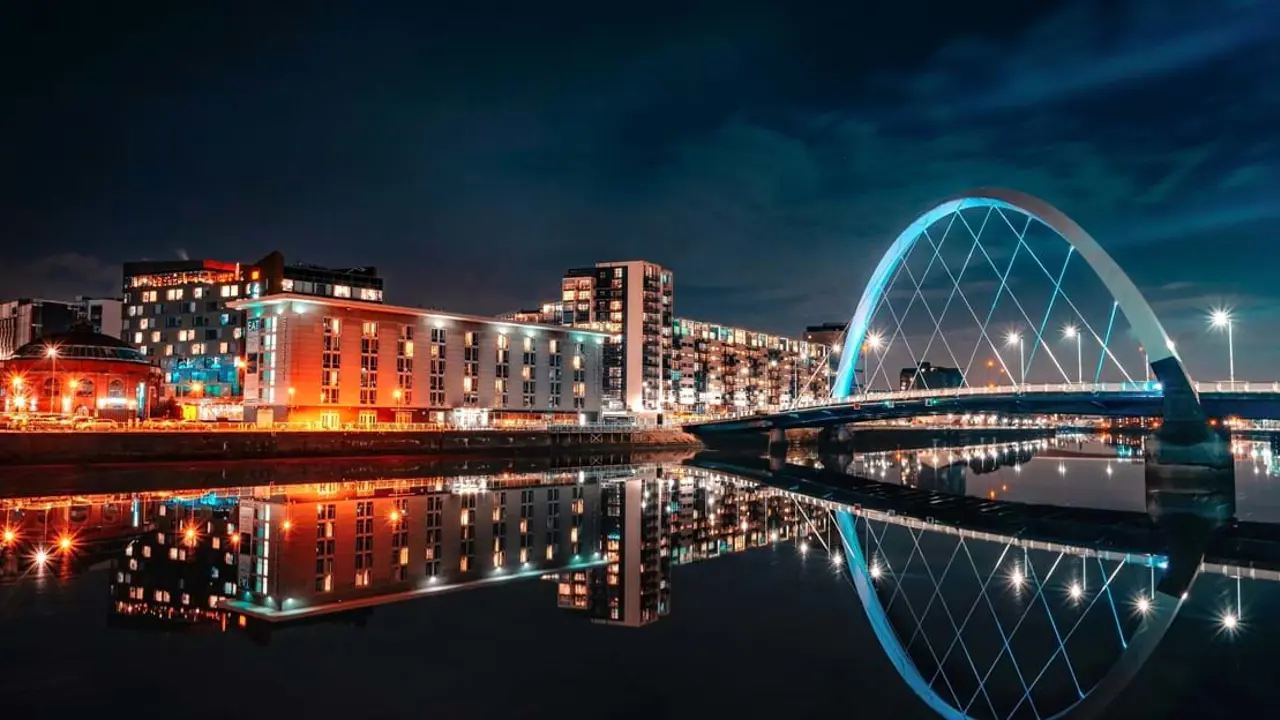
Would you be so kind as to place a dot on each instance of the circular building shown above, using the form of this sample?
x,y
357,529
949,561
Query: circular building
x,y
80,372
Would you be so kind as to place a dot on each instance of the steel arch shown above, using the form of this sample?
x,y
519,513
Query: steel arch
x,y
1161,353
1152,630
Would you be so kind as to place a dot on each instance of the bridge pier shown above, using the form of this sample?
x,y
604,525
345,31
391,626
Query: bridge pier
x,y
835,437
1191,493
777,443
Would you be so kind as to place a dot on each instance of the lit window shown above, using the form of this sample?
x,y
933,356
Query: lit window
x,y
286,285
155,336
197,293
343,291
223,348
137,338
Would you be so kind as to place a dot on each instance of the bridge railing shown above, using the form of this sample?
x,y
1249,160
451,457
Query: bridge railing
x,y
1152,387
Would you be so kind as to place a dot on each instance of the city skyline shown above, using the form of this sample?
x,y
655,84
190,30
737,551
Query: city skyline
x,y
490,149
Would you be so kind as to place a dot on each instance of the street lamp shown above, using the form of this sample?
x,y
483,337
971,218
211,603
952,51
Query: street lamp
x,y
874,341
1069,333
51,352
1221,318
1015,338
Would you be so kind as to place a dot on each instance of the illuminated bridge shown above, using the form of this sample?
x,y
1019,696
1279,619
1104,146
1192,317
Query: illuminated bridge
x,y
1249,401
1034,317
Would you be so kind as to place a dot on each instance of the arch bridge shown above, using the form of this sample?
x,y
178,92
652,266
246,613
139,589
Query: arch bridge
x,y
1164,387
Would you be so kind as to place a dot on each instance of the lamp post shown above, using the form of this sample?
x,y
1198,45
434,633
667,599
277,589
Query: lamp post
x,y
1015,338
1069,333
1222,319
874,341
52,353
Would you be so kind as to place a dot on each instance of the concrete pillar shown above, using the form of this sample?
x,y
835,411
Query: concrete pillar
x,y
777,442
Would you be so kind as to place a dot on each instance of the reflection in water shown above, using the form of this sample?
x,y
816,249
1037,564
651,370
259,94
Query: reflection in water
x,y
268,557
1002,580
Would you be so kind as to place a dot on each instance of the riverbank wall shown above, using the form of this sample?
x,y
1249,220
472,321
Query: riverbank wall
x,y
79,448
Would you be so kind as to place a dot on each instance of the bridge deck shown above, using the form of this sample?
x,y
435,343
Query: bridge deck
x,y
1144,401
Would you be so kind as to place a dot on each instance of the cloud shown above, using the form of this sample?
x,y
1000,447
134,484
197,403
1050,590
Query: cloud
x,y
1089,47
61,276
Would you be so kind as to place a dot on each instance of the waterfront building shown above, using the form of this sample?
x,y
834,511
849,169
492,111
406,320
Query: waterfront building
x,y
721,369
81,373
338,362
656,361
633,301
177,313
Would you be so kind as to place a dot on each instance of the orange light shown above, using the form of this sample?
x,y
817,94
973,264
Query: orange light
x,y
395,516
190,534
9,535
288,524
235,539
253,275
64,542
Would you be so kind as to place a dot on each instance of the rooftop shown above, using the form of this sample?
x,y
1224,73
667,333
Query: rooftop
x,y
310,300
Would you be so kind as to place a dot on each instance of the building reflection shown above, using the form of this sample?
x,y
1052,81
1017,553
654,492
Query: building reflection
x,y
266,558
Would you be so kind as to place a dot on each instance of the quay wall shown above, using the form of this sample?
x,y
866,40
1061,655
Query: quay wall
x,y
77,448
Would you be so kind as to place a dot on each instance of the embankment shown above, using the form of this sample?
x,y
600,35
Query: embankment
x,y
79,448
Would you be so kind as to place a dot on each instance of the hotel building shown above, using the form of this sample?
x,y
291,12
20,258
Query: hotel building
x,y
338,362
177,313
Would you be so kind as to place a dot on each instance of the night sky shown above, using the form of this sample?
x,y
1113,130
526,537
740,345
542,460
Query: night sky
x,y
768,153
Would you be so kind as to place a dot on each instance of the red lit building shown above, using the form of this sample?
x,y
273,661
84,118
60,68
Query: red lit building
x,y
80,372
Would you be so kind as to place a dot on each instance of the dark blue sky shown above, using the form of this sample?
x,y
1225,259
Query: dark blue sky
x,y
767,152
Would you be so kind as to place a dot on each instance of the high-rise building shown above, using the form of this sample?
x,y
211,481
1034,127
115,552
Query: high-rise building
x,y
633,301
339,362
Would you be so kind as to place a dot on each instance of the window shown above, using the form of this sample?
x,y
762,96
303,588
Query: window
x,y
342,291
436,378
369,363
470,369
228,291
330,361
404,366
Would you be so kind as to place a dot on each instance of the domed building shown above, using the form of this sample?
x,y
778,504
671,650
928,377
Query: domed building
x,y
80,372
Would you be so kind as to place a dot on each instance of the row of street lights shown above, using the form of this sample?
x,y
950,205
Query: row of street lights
x,y
1219,319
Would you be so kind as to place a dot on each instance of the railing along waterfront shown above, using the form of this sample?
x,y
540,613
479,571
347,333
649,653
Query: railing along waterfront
x,y
1150,387
241,427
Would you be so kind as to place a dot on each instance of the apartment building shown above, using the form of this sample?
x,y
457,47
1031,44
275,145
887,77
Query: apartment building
x,y
336,363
